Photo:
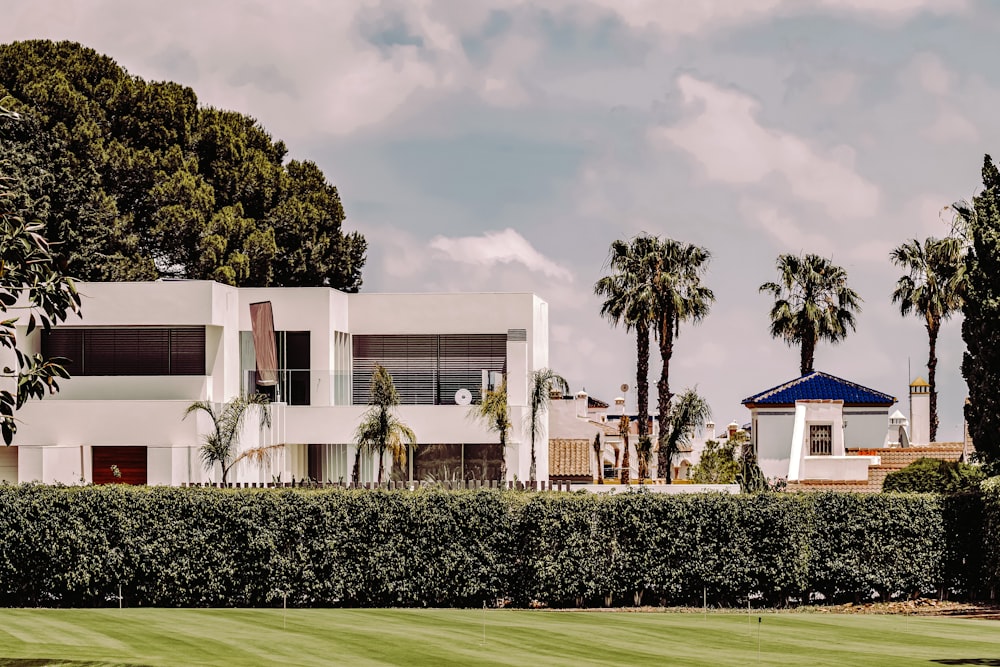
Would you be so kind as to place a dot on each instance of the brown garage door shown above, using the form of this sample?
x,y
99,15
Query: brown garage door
x,y
131,463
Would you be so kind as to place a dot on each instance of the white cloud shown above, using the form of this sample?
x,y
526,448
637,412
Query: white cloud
x,y
691,16
505,247
733,147
951,127
932,74
786,232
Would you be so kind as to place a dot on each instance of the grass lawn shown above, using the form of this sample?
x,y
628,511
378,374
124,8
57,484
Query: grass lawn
x,y
85,637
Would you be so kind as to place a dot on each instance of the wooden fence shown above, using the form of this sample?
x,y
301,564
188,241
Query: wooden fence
x,y
452,485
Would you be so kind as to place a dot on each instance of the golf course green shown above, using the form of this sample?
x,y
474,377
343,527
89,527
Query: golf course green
x,y
76,637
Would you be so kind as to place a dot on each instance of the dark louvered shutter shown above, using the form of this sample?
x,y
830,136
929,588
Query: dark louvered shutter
x,y
187,351
99,352
463,360
66,344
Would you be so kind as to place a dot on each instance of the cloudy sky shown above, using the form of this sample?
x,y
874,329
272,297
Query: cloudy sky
x,y
501,145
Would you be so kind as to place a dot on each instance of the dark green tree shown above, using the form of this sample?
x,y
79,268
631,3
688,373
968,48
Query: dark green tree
x,y
33,285
931,289
979,223
134,181
678,296
718,464
812,302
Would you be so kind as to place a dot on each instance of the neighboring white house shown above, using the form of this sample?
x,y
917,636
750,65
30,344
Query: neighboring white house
x,y
144,351
803,429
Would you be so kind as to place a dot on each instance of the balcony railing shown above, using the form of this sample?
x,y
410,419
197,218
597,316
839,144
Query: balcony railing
x,y
301,386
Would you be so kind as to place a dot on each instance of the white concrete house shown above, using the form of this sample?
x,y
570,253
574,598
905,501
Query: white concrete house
x,y
803,429
144,351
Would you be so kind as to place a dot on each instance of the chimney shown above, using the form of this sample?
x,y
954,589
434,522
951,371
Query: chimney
x,y
897,421
731,430
920,412
620,405
581,404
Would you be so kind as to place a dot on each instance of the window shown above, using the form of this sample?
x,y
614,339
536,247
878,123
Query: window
x,y
820,440
294,373
133,351
428,369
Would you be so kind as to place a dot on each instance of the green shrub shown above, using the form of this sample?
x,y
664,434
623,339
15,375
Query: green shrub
x,y
72,547
934,476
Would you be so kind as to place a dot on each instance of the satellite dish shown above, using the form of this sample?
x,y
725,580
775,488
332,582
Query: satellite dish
x,y
463,397
624,388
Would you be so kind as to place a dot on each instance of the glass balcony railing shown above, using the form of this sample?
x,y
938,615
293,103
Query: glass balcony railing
x,y
300,386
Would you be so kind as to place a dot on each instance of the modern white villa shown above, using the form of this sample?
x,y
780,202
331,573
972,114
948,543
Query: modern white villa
x,y
143,352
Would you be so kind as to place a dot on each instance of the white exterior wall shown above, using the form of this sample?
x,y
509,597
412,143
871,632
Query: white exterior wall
x,y
781,435
55,435
772,436
920,415
866,428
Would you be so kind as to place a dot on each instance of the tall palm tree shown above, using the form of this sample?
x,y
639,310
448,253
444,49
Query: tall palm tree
x,y
678,296
687,415
932,288
623,428
222,443
380,430
492,410
812,302
628,300
541,384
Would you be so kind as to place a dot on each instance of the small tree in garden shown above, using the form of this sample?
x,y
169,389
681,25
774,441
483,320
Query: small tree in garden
x,y
492,411
688,413
541,384
750,478
718,464
380,429
222,443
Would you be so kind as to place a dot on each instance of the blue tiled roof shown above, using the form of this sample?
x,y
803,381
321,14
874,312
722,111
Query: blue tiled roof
x,y
820,386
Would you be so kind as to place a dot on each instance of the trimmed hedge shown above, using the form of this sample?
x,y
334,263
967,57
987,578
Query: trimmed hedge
x,y
209,547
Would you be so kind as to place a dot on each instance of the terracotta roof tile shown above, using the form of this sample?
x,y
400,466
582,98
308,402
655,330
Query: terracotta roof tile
x,y
569,458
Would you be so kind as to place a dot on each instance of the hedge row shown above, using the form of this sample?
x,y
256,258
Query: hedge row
x,y
207,547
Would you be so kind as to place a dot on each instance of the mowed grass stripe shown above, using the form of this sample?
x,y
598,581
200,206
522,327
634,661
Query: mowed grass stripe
x,y
513,637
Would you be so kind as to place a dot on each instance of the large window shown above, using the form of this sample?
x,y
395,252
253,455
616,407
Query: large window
x,y
428,369
441,463
294,367
820,440
133,351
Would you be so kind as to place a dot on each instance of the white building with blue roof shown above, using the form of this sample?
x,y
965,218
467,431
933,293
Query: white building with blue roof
x,y
803,429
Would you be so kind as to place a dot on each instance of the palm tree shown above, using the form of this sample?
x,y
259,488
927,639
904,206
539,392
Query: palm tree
x,y
492,410
932,289
623,427
222,444
598,448
380,430
643,454
678,296
628,299
688,414
812,302
541,382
